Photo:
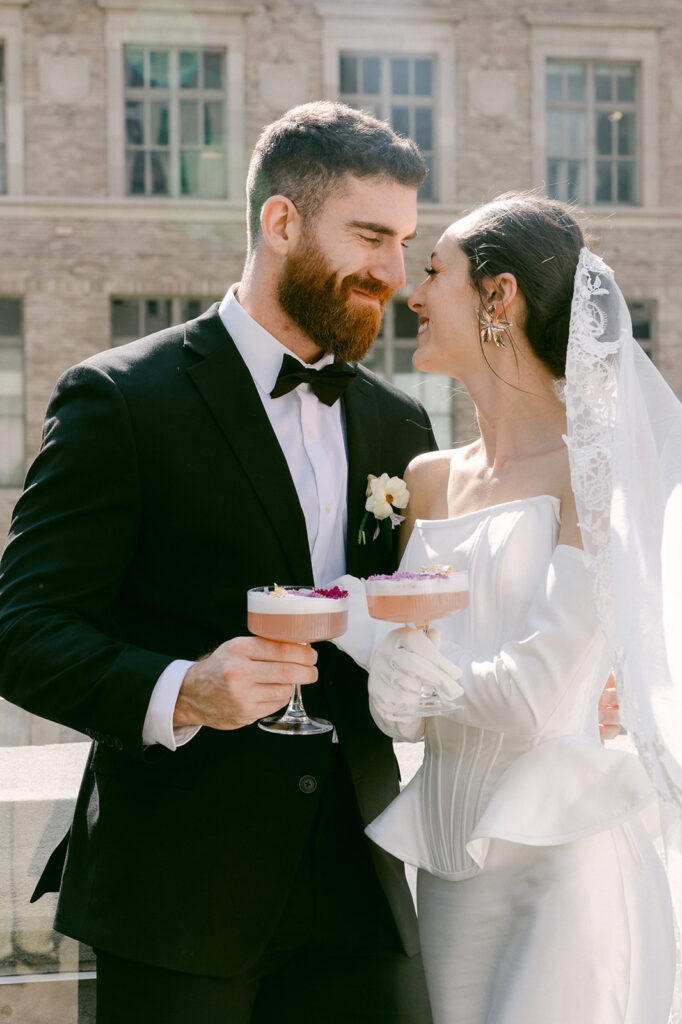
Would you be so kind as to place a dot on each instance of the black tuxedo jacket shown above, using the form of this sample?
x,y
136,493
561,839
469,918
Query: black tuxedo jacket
x,y
159,496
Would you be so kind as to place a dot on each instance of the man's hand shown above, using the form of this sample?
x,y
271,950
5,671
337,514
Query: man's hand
x,y
243,680
609,717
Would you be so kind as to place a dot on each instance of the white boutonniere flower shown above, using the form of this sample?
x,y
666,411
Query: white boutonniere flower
x,y
384,495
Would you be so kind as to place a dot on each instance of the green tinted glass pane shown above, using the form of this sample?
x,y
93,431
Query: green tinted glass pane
x,y
375,358
640,313
553,175
189,172
213,123
423,70
135,184
400,120
575,132
158,69
405,321
159,162
159,124
192,308
400,77
555,132
626,135
604,134
189,69
626,182
212,180
134,123
134,67
10,317
428,189
189,123
213,70
603,84
575,83
604,189
371,75
553,81
575,187
625,85
348,74
125,318
423,128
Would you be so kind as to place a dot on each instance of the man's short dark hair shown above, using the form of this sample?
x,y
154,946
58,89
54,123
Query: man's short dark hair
x,y
308,151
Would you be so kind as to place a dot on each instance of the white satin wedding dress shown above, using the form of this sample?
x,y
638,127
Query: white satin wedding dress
x,y
541,898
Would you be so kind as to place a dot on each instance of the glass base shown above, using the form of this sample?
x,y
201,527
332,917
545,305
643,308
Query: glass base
x,y
428,704
288,725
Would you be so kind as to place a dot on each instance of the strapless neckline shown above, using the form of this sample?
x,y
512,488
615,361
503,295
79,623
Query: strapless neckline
x,y
502,506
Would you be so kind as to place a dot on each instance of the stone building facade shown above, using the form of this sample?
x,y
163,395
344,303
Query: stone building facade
x,y
125,130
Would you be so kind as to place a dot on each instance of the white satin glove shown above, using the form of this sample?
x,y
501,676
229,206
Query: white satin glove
x,y
407,663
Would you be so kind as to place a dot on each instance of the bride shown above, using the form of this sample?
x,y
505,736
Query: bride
x,y
541,896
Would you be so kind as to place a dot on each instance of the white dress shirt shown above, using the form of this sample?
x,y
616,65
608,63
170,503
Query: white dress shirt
x,y
312,437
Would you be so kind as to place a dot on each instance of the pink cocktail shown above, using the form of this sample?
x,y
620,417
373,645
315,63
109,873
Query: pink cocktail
x,y
300,615
418,598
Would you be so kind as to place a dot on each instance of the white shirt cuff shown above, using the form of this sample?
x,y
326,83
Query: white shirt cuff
x,y
158,723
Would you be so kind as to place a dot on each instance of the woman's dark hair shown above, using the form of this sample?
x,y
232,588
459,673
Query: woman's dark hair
x,y
538,240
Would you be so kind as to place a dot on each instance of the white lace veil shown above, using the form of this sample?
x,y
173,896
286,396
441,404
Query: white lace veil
x,y
624,439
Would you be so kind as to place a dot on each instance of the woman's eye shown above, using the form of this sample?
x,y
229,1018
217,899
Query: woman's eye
x,y
430,271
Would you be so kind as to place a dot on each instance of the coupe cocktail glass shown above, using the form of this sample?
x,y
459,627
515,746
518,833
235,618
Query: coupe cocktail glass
x,y
418,599
298,615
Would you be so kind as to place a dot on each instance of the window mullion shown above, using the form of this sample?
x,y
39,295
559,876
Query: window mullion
x,y
174,121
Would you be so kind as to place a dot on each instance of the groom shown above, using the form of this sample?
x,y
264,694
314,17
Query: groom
x,y
221,872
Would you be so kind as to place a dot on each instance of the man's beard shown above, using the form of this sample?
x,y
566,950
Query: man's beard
x,y
321,305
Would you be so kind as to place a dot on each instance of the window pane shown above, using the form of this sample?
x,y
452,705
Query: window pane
x,y
603,84
189,123
125,318
400,120
189,69
375,359
626,182
423,134
348,74
189,172
158,69
11,318
212,175
626,135
422,77
553,81
159,124
604,134
371,75
576,181
555,132
406,322
213,122
553,172
604,191
402,364
134,67
192,308
213,70
400,77
159,172
625,85
135,123
575,83
157,315
135,173
428,189
575,124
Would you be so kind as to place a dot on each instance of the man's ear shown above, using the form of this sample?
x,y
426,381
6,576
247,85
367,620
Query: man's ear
x,y
280,224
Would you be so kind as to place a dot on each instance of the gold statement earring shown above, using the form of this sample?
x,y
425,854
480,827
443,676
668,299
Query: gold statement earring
x,y
491,326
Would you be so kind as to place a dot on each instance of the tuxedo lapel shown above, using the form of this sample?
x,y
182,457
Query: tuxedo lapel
x,y
226,386
364,451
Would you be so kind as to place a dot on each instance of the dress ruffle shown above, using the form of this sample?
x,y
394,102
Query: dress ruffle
x,y
563,789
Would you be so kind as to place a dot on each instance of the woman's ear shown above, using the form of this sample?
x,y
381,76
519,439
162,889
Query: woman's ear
x,y
280,224
500,291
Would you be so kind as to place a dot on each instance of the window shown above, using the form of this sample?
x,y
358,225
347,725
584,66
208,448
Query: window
x,y
643,325
133,318
3,176
12,445
592,131
399,89
391,358
175,122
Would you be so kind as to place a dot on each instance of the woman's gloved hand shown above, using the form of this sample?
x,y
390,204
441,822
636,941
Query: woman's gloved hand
x,y
407,663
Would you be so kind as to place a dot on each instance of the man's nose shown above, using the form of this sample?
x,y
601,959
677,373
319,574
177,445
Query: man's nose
x,y
390,267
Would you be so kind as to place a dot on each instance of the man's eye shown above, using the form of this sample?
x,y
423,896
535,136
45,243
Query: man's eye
x,y
368,238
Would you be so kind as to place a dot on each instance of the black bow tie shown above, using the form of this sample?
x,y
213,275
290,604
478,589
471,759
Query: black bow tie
x,y
328,384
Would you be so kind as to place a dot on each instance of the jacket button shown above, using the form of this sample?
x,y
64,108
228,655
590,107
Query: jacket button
x,y
307,784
